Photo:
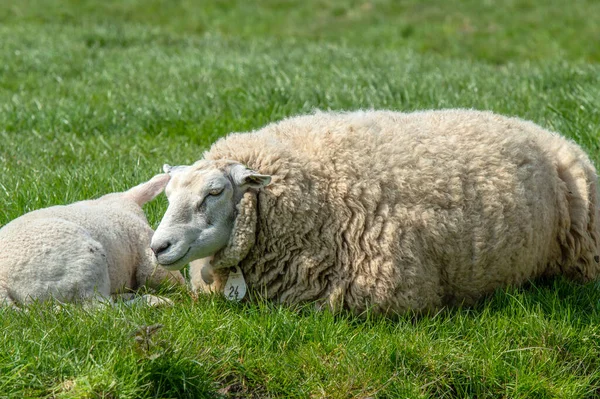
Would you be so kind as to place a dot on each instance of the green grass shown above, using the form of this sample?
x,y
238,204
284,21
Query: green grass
x,y
96,96
537,342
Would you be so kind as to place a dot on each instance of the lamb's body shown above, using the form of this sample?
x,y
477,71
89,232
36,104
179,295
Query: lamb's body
x,y
87,249
412,211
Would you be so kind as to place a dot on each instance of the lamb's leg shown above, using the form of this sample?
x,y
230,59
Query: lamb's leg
x,y
151,274
5,297
146,299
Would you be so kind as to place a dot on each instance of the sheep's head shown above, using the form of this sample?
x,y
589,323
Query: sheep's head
x,y
212,212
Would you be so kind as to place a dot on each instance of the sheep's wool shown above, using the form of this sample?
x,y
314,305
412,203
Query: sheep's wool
x,y
409,211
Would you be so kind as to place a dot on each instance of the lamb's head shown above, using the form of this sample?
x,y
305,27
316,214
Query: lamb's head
x,y
207,208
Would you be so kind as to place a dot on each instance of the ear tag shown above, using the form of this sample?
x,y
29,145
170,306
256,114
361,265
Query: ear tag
x,y
235,287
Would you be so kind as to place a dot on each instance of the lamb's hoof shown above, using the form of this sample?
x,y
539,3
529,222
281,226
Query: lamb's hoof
x,y
154,300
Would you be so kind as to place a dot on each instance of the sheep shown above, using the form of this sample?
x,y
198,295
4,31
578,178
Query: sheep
x,y
85,250
386,211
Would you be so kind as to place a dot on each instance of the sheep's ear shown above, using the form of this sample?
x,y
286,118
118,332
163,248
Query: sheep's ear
x,y
243,176
171,170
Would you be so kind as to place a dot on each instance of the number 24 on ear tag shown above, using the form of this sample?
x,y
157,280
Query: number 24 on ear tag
x,y
235,287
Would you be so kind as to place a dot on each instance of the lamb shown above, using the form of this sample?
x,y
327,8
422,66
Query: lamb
x,y
381,210
85,250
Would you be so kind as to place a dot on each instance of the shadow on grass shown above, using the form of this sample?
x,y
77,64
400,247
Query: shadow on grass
x,y
552,297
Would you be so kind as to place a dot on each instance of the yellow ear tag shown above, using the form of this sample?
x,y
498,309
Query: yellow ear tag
x,y
235,287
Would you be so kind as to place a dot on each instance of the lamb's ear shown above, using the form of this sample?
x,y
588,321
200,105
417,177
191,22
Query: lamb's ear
x,y
243,176
147,191
171,170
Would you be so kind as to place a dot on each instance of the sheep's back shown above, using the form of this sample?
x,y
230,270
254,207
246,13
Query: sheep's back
x,y
405,210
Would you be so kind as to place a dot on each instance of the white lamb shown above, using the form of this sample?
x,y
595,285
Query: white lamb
x,y
89,249
385,210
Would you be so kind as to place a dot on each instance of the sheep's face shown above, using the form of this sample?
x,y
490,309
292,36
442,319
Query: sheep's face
x,y
202,210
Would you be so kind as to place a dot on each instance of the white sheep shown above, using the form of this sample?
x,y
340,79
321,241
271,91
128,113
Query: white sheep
x,y
88,249
384,210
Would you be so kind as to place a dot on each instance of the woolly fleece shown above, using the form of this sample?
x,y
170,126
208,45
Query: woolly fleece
x,y
87,249
406,211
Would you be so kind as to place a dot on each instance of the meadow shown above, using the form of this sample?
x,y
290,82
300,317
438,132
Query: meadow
x,y
96,96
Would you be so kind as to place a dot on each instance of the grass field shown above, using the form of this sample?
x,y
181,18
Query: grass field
x,y
96,96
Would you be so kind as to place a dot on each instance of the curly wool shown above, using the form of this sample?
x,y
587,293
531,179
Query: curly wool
x,y
411,211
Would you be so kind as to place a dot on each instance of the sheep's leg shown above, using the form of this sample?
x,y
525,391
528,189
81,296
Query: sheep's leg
x,y
202,277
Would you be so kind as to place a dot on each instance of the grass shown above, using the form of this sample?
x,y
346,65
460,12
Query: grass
x,y
96,96
535,342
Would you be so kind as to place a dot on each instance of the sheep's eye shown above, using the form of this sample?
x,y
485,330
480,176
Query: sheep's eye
x,y
212,193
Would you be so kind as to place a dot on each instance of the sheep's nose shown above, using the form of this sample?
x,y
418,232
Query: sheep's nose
x,y
160,247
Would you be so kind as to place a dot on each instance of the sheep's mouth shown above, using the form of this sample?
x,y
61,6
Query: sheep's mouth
x,y
177,260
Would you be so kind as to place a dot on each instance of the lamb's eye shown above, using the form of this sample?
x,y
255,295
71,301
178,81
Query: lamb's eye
x,y
216,191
